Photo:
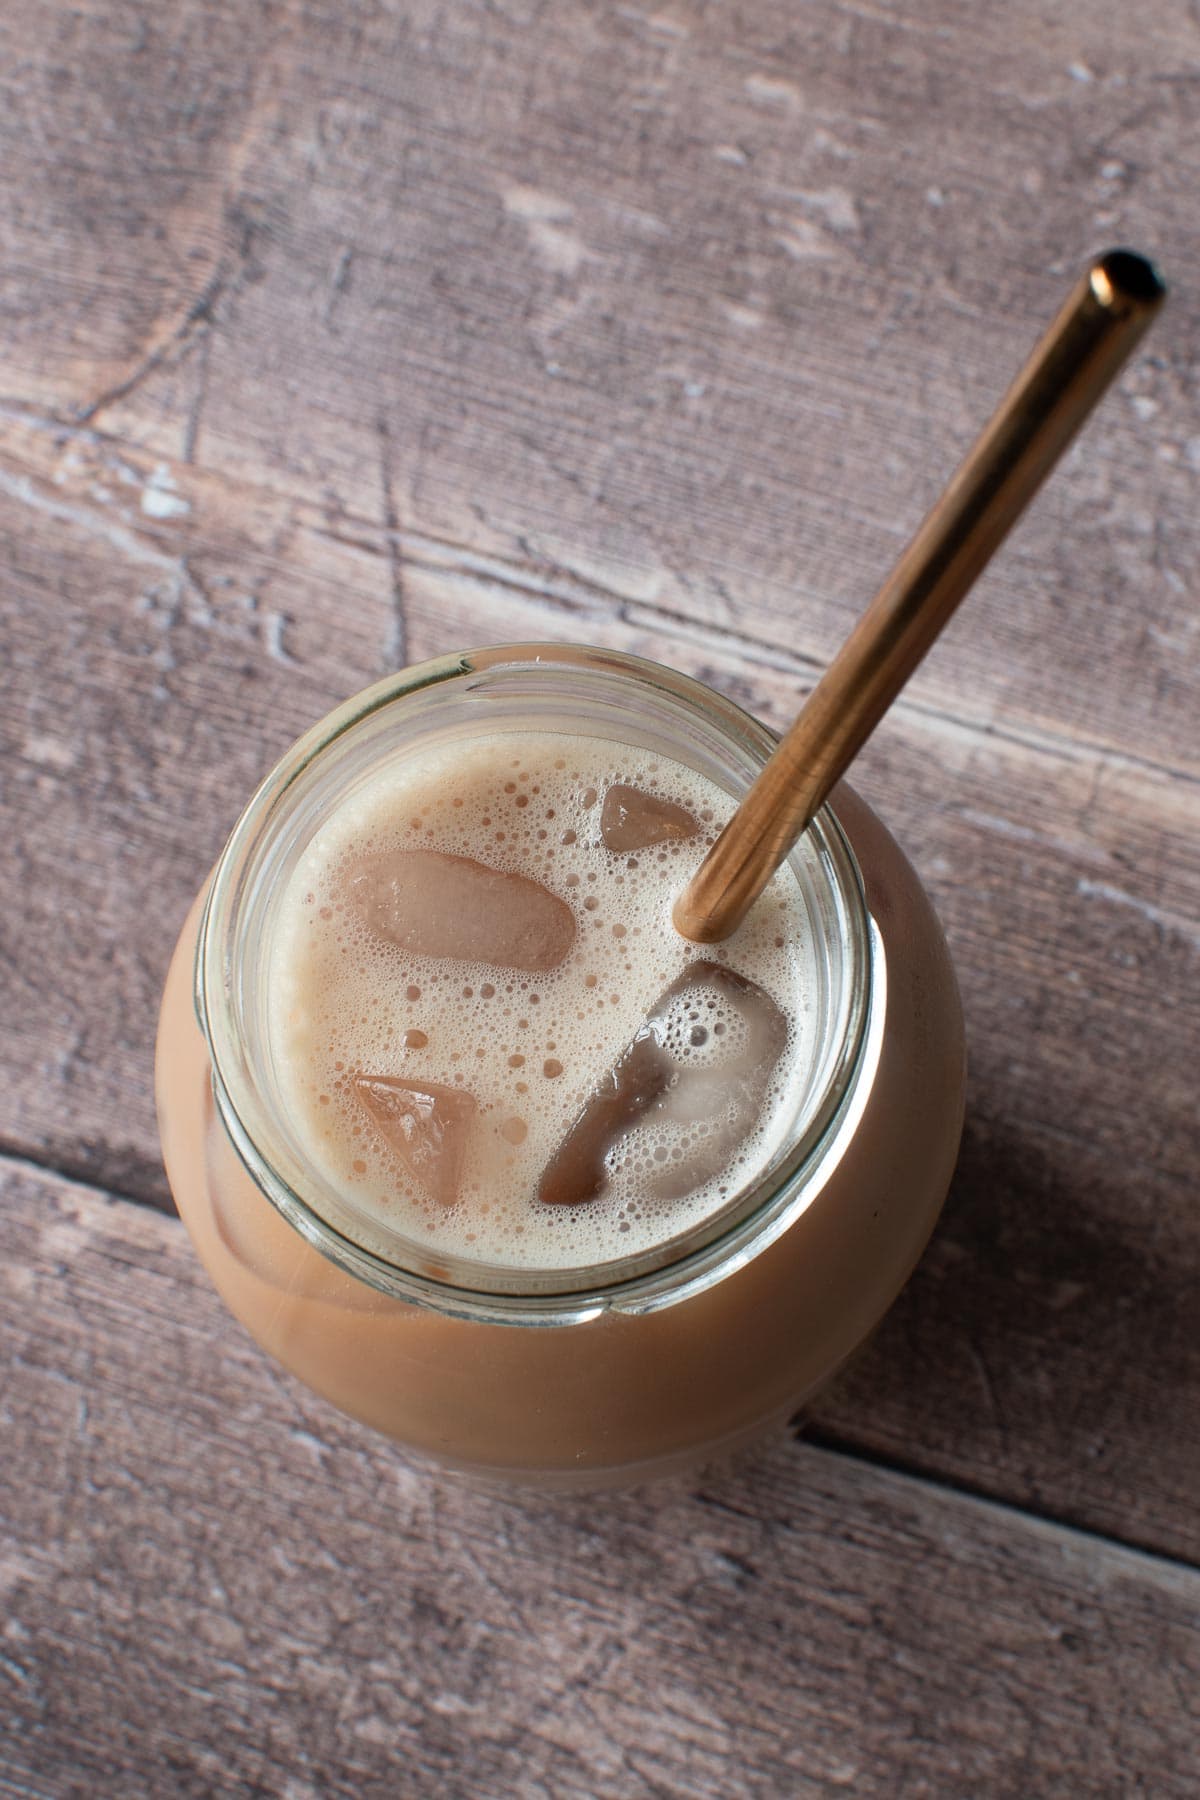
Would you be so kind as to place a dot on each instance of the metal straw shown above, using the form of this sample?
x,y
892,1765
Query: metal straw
x,y
1101,321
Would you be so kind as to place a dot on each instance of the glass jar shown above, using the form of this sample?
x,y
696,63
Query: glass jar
x,y
575,1376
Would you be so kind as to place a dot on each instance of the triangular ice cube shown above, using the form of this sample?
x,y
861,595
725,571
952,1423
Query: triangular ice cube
x,y
426,1125
631,819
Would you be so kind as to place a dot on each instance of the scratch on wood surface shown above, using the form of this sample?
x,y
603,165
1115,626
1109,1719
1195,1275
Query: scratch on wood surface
x,y
561,250
274,626
805,242
198,313
16,1570
86,519
1156,915
835,207
546,218
338,282
1018,833
525,202
161,498
191,430
979,1363
227,277
180,592
878,15
395,647
768,90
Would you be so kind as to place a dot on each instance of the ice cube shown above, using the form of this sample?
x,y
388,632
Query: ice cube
x,y
683,1095
433,904
631,819
426,1125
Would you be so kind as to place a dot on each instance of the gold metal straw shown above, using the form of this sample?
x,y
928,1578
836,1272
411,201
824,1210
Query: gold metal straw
x,y
1101,321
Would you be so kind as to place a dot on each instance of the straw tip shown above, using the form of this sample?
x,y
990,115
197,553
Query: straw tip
x,y
1126,278
698,925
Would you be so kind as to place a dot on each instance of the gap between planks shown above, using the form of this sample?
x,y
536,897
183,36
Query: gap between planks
x,y
1156,1566
832,1443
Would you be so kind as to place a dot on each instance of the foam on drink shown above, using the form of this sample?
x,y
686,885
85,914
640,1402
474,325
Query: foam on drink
x,y
466,951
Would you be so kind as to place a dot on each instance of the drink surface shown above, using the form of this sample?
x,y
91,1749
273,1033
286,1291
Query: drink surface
x,y
485,1029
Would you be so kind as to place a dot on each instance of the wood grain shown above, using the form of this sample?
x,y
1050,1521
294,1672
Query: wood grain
x,y
300,1611
336,335
700,305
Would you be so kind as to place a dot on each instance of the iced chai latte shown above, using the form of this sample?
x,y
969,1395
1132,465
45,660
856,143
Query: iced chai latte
x,y
475,1143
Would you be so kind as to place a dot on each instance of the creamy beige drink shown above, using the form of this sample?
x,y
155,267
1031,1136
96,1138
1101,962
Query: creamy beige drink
x,y
475,1144
460,961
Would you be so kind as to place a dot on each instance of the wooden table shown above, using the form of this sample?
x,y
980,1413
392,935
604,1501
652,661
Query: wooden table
x,y
338,333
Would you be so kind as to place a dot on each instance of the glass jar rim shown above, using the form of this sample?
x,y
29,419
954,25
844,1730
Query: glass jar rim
x,y
727,1238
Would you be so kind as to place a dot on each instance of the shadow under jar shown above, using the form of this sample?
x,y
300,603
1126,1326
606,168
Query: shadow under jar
x,y
635,1364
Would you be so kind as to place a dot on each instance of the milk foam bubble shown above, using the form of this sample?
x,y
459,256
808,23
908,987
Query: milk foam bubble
x,y
527,1045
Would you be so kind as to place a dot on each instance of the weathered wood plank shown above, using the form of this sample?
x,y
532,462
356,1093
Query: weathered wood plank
x,y
213,1583
1046,1350
135,677
699,304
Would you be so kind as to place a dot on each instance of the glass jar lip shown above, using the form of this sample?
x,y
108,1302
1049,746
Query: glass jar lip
x,y
552,1296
